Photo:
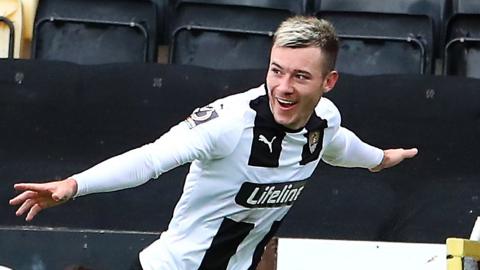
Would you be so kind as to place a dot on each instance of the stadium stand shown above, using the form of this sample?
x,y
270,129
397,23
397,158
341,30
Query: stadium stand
x,y
384,37
58,125
238,31
95,32
462,33
54,126
11,21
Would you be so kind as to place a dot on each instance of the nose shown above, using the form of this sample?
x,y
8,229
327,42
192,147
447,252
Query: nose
x,y
285,85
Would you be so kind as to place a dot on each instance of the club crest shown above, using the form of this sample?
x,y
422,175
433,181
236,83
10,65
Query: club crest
x,y
313,139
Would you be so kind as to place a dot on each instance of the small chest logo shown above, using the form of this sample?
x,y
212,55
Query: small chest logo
x,y
313,139
267,142
252,195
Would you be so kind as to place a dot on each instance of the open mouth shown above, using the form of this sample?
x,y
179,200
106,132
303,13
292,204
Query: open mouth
x,y
285,103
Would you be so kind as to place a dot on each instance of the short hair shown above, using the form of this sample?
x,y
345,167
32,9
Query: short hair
x,y
307,31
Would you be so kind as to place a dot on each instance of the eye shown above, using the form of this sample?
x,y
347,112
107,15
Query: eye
x,y
302,77
275,70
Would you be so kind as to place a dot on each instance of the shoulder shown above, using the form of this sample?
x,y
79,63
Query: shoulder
x,y
327,110
223,121
227,109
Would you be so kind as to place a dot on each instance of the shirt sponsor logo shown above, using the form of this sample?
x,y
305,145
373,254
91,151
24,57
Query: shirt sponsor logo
x,y
200,116
252,195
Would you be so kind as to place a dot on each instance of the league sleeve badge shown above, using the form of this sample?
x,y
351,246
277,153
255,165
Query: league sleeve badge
x,y
200,116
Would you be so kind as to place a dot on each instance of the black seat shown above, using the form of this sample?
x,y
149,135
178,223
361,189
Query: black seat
x,y
383,37
11,28
227,34
95,32
462,45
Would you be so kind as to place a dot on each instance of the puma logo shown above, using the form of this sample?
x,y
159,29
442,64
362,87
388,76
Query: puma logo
x,y
269,143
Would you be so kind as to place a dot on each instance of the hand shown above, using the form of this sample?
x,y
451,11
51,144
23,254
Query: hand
x,y
392,157
36,197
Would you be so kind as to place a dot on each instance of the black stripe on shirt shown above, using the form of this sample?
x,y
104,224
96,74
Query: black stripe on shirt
x,y
260,249
315,131
267,136
225,243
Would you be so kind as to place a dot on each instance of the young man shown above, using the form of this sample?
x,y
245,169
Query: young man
x,y
251,155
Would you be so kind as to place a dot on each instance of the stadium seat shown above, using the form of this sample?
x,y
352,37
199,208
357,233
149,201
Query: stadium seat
x,y
458,249
10,28
383,37
462,45
29,11
227,34
95,32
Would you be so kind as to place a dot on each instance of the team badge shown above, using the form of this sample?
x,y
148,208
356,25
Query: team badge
x,y
313,139
200,116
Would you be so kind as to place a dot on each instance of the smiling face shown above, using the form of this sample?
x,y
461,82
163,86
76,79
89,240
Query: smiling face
x,y
296,80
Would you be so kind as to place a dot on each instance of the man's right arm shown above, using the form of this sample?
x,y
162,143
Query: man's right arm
x,y
182,144
127,170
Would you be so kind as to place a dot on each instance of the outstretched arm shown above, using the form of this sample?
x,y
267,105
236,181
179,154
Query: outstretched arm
x,y
127,170
36,197
392,157
347,150
180,145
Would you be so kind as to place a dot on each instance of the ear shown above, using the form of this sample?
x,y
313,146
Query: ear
x,y
330,81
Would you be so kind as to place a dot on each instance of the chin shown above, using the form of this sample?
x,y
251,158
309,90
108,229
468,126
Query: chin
x,y
285,123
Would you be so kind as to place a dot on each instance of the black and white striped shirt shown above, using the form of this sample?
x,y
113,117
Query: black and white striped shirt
x,y
246,173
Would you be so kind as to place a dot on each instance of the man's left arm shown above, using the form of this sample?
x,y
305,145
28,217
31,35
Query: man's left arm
x,y
347,150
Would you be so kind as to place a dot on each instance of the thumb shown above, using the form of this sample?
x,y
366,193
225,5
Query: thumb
x,y
64,190
59,195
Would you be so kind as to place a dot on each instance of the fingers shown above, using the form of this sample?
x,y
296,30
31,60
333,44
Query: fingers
x,y
36,197
410,153
30,186
33,206
24,207
392,157
33,212
23,197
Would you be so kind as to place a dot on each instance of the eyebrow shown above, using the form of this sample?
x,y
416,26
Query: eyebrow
x,y
296,70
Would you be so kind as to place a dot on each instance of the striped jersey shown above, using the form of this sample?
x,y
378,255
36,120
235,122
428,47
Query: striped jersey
x,y
246,173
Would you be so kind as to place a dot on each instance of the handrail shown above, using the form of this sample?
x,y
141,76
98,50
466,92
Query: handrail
x,y
11,39
450,43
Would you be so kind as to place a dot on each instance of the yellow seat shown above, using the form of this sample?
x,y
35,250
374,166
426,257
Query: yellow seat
x,y
12,11
458,249
21,13
29,11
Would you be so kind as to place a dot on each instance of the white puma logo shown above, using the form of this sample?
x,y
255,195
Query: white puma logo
x,y
269,143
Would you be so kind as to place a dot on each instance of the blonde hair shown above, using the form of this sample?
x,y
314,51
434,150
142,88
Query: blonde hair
x,y
305,31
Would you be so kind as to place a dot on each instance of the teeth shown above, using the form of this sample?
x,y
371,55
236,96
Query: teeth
x,y
285,101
